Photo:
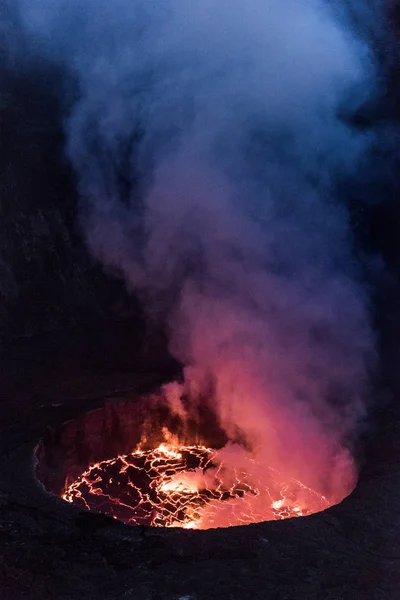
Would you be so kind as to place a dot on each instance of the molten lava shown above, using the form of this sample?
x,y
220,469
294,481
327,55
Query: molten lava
x,y
190,487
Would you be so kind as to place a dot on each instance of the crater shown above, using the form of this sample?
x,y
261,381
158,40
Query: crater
x,y
140,463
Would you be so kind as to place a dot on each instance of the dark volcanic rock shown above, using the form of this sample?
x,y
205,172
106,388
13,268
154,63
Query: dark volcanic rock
x,y
47,278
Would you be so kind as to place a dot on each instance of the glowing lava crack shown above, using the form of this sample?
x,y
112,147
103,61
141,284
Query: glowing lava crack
x,y
190,487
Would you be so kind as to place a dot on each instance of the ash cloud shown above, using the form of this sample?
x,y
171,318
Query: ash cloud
x,y
207,141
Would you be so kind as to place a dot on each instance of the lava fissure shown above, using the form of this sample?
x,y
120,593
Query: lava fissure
x,y
190,487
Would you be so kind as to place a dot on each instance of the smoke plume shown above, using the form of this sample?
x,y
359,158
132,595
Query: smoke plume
x,y
208,140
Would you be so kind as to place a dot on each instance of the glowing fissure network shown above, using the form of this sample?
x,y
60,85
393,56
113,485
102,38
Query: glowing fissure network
x,y
189,487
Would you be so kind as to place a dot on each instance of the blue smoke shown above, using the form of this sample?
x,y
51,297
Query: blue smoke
x,y
208,143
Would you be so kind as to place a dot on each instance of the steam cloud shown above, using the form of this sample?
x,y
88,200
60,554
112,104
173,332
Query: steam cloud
x,y
207,141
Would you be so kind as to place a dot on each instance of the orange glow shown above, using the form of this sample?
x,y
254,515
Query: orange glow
x,y
190,487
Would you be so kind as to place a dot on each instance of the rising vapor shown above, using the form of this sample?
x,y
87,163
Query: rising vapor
x,y
207,141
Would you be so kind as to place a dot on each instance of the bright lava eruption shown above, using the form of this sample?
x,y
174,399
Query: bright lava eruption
x,y
190,487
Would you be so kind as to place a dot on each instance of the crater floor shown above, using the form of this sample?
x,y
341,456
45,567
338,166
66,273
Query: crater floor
x,y
50,549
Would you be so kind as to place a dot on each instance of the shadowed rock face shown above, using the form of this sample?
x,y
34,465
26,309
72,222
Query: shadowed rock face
x,y
47,279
